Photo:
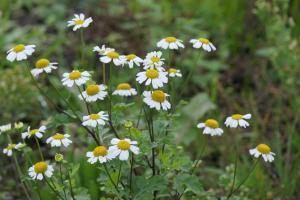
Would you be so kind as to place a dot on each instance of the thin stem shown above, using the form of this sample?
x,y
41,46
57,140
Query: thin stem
x,y
110,178
103,74
53,189
71,187
82,46
131,172
119,173
85,102
39,148
62,181
234,173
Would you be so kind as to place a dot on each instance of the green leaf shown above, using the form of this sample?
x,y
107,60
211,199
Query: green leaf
x,y
146,187
136,133
75,169
187,182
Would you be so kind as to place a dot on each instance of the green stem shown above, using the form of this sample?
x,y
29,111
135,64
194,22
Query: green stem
x,y
103,74
234,173
82,47
119,174
53,189
131,172
71,187
110,178
62,181
85,102
39,148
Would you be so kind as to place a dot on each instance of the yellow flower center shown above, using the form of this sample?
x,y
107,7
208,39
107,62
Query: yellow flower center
x,y
19,48
34,131
237,116
123,145
94,116
158,95
112,54
212,123
123,86
263,148
152,73
130,56
204,40
170,39
155,59
172,70
58,136
42,63
11,146
100,151
79,21
40,167
92,90
74,75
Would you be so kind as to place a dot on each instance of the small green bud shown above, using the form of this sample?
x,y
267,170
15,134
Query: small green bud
x,y
18,125
128,124
58,157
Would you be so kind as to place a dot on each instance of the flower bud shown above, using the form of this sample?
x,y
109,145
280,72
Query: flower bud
x,y
58,157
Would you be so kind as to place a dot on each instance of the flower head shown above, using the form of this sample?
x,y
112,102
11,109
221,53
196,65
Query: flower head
x,y
10,147
59,139
39,170
237,120
93,93
34,132
152,76
263,150
100,153
95,119
77,77
211,127
18,125
121,148
112,56
174,72
43,65
103,50
79,21
156,99
132,59
20,52
170,43
124,89
154,60
204,43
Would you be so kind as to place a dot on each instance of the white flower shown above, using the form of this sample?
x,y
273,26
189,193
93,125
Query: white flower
x,y
170,43
5,128
237,120
10,147
34,132
156,99
204,43
121,148
93,93
18,125
154,60
211,127
100,153
112,56
174,72
59,139
264,150
20,52
124,89
43,65
152,76
101,51
77,77
132,59
95,119
39,170
79,21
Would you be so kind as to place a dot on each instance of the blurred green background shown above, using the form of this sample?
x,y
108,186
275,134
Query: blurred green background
x,y
254,70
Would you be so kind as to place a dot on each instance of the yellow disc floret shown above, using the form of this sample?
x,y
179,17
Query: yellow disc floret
x,y
74,75
92,90
58,136
212,123
204,40
172,70
123,86
40,167
100,151
152,73
42,63
11,146
79,21
19,48
34,131
130,56
237,116
123,145
155,59
112,54
263,148
158,95
170,39
94,116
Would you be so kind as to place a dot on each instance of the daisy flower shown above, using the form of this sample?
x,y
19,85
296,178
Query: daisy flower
x,y
263,150
101,51
79,21
156,99
132,59
20,52
121,148
34,132
211,127
5,128
77,77
100,153
93,93
237,120
10,147
124,89
204,43
43,65
174,72
59,139
112,56
95,119
154,60
170,43
39,170
152,76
